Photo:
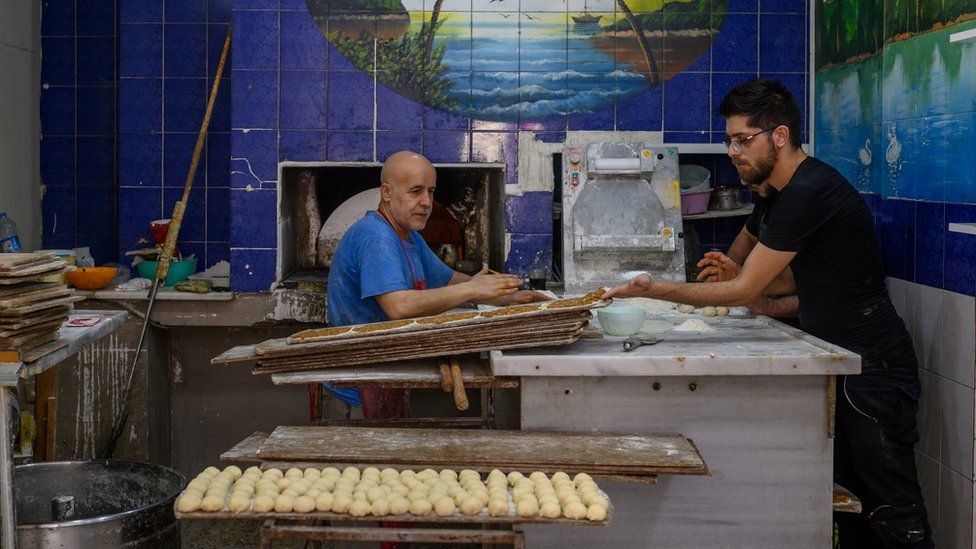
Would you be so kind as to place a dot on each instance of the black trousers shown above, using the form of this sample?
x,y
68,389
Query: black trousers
x,y
874,452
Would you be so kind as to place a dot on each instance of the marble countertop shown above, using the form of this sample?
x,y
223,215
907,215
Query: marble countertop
x,y
736,346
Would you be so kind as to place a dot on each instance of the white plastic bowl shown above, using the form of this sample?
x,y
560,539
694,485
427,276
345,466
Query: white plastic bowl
x,y
621,321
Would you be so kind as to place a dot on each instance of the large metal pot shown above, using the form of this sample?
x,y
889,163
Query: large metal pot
x,y
105,503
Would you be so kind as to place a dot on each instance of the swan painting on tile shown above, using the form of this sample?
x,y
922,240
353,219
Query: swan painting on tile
x,y
512,60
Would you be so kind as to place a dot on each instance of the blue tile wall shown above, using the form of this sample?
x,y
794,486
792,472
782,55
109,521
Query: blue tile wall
x,y
907,139
127,121
78,127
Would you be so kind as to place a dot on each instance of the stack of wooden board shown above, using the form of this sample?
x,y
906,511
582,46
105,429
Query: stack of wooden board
x,y
556,322
31,313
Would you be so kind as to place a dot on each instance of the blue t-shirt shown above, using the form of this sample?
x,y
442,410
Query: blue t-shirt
x,y
369,261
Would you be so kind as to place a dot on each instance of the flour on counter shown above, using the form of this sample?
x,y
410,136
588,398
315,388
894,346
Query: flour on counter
x,y
694,325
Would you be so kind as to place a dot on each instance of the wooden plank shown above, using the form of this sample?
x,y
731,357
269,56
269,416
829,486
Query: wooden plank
x,y
28,340
50,324
13,260
37,294
604,452
267,367
41,351
36,318
40,306
10,280
414,374
25,287
247,449
36,268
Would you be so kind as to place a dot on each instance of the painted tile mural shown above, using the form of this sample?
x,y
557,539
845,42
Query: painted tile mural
x,y
528,59
896,113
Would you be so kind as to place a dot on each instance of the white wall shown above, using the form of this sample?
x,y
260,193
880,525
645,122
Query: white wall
x,y
943,327
20,125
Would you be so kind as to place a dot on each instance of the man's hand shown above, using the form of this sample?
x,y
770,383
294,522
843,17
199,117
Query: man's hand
x,y
519,297
718,268
485,287
635,287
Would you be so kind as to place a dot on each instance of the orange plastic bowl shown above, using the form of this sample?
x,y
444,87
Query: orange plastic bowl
x,y
91,278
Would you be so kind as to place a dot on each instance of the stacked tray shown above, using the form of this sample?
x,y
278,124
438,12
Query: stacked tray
x,y
558,322
31,312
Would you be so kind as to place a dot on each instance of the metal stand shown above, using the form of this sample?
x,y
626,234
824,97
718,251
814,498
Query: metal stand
x,y
8,509
273,529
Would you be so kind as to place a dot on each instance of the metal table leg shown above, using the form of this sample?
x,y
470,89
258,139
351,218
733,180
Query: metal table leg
x,y
8,517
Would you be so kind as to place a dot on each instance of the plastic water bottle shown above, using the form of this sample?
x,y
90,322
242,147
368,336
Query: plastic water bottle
x,y
9,242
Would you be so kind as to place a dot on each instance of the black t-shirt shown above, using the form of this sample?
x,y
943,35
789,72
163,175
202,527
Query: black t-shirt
x,y
838,267
760,213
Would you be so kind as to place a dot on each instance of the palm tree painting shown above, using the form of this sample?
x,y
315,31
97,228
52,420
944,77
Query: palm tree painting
x,y
509,60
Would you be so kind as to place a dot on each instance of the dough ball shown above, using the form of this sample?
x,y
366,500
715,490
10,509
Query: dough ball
x,y
559,475
400,489
370,471
448,473
253,470
341,503
538,475
471,505
686,309
304,504
599,501
198,485
351,472
284,483
548,498
273,472
189,503
323,502
414,495
399,506
460,497
708,311
360,508
498,507
263,504
514,477
267,492
596,512
550,509
289,492
193,492
284,503
720,311
312,492
375,493
294,473
420,507
359,495
444,507
212,503
380,508
574,510
389,472
239,503
527,508
234,470
330,471
212,471
312,473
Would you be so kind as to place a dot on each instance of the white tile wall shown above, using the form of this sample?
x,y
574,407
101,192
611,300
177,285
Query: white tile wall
x,y
959,338
943,327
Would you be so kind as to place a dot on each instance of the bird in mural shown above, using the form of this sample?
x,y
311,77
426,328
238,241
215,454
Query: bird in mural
x,y
505,15
530,18
893,152
864,155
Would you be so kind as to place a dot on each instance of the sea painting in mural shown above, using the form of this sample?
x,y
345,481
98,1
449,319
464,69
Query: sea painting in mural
x,y
512,60
893,93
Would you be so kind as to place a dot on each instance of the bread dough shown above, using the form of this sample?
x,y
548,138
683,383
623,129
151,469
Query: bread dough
x,y
596,512
498,507
574,510
514,477
311,473
581,477
686,309
273,472
304,504
341,503
420,507
234,470
284,503
212,503
375,494
527,508
708,311
263,504
399,506
471,505
189,503
360,508
550,509
444,507
722,311
380,508
212,471
323,502
294,473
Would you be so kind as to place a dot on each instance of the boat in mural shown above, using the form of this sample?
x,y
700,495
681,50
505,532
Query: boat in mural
x,y
517,61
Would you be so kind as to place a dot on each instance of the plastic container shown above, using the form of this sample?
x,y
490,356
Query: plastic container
x,y
91,278
621,321
693,178
695,203
9,241
178,270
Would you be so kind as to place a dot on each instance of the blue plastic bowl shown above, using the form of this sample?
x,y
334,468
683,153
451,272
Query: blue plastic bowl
x,y
178,270
621,321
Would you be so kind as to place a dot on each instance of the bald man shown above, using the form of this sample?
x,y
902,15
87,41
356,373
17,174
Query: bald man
x,y
383,270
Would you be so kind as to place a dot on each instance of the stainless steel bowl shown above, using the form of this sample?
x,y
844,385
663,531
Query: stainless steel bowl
x,y
110,504
725,199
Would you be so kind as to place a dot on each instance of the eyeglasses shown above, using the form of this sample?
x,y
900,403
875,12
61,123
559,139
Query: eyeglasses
x,y
736,145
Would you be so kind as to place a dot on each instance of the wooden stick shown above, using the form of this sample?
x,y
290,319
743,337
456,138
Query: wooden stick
x,y
447,382
460,398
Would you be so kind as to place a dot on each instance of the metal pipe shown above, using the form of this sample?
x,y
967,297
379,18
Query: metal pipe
x,y
8,509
